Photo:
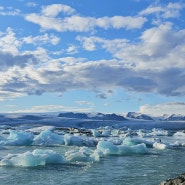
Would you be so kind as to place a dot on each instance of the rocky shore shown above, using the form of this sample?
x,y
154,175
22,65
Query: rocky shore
x,y
180,180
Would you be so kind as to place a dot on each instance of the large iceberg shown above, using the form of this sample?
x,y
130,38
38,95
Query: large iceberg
x,y
30,159
108,148
18,138
48,138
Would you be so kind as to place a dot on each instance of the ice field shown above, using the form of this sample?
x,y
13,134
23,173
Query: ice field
x,y
73,151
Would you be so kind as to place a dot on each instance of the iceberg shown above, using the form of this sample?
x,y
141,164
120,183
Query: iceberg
x,y
31,159
16,138
71,140
51,156
179,134
48,138
38,130
82,154
101,133
109,148
128,141
159,146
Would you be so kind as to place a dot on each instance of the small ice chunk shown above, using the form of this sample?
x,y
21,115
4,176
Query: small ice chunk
x,y
71,140
105,132
159,146
179,134
38,130
95,133
82,154
159,132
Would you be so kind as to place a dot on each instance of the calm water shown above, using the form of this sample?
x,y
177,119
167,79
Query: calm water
x,y
147,169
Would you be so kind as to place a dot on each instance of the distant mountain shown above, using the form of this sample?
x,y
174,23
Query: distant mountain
x,y
30,117
94,116
138,116
175,117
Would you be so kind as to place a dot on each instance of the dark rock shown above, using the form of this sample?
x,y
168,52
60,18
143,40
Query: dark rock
x,y
180,180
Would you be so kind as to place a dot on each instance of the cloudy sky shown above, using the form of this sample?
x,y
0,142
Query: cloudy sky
x,y
92,56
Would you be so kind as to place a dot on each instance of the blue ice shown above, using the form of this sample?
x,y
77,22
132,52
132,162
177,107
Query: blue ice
x,y
30,159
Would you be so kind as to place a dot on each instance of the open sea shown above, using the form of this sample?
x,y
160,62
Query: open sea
x,y
117,161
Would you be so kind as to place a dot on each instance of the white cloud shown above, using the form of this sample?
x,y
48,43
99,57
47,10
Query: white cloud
x,y
44,21
48,19
172,10
9,11
70,73
91,43
42,39
163,108
9,95
160,47
31,4
54,9
8,42
72,49
128,22
82,102
51,108
152,63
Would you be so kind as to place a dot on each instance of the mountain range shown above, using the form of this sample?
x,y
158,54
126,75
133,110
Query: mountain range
x,y
89,116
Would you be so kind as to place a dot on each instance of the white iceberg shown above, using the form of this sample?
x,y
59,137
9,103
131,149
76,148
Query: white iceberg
x,y
71,140
48,138
18,138
159,146
109,148
30,159
83,154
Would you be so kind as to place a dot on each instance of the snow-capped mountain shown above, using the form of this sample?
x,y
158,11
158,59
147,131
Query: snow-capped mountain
x,y
138,116
94,116
175,117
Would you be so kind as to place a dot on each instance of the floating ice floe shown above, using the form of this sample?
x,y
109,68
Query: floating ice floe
x,y
134,141
30,159
83,154
179,138
153,132
38,130
48,138
159,146
179,134
18,138
72,140
101,133
109,148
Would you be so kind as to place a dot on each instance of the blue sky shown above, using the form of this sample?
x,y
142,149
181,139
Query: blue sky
x,y
92,56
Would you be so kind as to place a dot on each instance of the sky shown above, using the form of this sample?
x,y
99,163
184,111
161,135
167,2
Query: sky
x,y
109,56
